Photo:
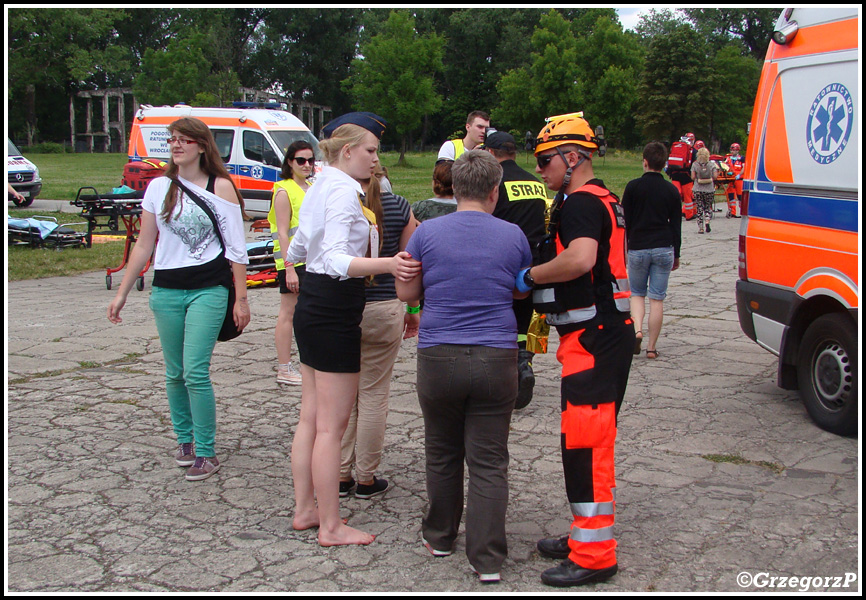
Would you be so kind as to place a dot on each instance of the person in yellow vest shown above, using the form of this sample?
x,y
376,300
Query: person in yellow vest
x,y
283,217
477,123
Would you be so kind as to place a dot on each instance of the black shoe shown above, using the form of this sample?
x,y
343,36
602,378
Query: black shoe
x,y
554,547
379,486
708,227
525,379
569,573
346,487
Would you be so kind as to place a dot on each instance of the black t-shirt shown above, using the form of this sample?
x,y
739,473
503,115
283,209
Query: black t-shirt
x,y
522,201
653,216
584,215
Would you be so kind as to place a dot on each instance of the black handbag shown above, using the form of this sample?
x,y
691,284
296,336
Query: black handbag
x,y
229,330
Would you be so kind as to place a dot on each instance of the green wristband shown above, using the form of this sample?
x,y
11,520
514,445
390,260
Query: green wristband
x,y
413,310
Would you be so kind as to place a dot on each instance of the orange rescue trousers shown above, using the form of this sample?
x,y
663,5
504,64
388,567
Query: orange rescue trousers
x,y
595,367
685,190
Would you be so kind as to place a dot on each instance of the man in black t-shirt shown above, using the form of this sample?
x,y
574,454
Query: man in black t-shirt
x,y
522,201
582,287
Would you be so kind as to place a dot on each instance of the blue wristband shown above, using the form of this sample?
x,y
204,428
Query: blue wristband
x,y
519,284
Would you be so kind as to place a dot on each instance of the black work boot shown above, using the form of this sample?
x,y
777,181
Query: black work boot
x,y
525,379
570,573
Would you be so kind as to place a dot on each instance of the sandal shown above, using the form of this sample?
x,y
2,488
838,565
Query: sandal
x,y
637,343
652,353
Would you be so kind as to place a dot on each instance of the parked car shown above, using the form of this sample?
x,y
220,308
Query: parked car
x,y
23,176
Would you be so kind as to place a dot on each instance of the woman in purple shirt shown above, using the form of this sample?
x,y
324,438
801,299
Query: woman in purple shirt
x,y
467,361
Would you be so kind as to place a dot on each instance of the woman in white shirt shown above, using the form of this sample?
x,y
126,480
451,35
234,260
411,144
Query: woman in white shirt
x,y
333,239
190,282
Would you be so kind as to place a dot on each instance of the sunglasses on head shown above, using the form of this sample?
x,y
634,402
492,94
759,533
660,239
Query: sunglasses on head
x,y
302,161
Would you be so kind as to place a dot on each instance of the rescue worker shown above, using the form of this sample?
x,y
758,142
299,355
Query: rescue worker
x,y
522,201
582,287
477,123
682,179
735,163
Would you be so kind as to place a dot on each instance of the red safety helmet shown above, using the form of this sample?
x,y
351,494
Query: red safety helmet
x,y
700,144
690,137
735,147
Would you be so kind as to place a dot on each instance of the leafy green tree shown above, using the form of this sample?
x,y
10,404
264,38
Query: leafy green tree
x,y
673,92
54,52
735,84
306,53
183,73
753,27
393,77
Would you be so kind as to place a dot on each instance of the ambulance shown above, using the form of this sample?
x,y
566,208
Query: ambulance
x,y
252,139
798,291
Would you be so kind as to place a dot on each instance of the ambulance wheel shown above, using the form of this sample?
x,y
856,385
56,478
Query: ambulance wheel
x,y
827,373
139,283
108,282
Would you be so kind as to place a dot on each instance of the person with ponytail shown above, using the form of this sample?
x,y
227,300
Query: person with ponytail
x,y
190,282
338,240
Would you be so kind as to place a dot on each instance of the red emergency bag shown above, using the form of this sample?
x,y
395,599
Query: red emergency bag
x,y
137,174
680,157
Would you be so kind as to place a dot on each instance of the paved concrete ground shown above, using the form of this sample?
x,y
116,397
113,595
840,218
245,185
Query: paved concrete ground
x,y
723,481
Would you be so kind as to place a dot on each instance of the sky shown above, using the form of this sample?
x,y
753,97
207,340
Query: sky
x,y
630,15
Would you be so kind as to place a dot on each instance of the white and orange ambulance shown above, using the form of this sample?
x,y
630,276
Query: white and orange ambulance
x,y
251,140
798,292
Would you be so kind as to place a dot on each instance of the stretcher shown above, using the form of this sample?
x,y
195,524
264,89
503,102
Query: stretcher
x,y
262,268
44,232
104,213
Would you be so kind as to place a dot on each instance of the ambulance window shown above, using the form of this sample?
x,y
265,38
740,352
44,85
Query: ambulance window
x,y
224,139
257,148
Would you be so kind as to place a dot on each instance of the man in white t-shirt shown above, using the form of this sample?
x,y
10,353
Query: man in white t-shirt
x,y
476,124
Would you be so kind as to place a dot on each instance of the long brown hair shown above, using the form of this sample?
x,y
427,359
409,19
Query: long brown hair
x,y
210,160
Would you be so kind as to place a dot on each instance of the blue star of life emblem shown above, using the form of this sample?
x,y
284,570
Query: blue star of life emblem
x,y
257,172
829,125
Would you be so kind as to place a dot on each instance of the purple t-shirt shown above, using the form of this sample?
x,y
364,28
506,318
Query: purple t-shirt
x,y
469,261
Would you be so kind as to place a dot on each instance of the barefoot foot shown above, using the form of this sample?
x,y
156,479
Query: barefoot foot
x,y
344,535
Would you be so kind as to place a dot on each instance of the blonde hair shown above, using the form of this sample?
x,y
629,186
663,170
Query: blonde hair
x,y
703,155
345,135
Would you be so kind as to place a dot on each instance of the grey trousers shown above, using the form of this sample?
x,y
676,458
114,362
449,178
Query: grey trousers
x,y
467,394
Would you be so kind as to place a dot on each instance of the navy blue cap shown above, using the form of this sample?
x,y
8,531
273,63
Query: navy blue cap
x,y
498,139
369,121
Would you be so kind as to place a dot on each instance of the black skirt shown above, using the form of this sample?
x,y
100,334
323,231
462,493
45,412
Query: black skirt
x,y
327,323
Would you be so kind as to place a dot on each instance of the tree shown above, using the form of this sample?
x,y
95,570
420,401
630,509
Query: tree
x,y
676,83
55,52
394,76
306,52
753,27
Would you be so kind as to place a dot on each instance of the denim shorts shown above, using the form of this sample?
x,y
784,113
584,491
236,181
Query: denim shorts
x,y
651,266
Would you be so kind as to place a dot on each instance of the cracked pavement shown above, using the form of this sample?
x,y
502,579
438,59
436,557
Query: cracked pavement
x,y
719,471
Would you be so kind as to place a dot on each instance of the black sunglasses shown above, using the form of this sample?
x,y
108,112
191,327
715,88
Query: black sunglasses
x,y
544,159
302,161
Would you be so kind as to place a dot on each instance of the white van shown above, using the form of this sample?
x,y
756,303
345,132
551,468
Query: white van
x,y
798,293
23,175
251,141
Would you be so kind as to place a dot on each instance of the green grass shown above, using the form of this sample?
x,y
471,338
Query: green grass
x,y
34,263
64,174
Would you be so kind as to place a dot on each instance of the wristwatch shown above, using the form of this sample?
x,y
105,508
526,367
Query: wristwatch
x,y
527,278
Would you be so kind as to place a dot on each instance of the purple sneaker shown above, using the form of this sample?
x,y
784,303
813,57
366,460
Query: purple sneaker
x,y
185,455
204,467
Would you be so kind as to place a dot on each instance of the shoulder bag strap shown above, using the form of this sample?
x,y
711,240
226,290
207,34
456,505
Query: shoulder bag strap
x,y
202,205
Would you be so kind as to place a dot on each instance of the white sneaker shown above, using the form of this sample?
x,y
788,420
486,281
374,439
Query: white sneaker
x,y
288,376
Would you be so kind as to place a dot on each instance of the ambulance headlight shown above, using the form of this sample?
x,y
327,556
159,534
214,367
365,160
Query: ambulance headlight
x,y
786,34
